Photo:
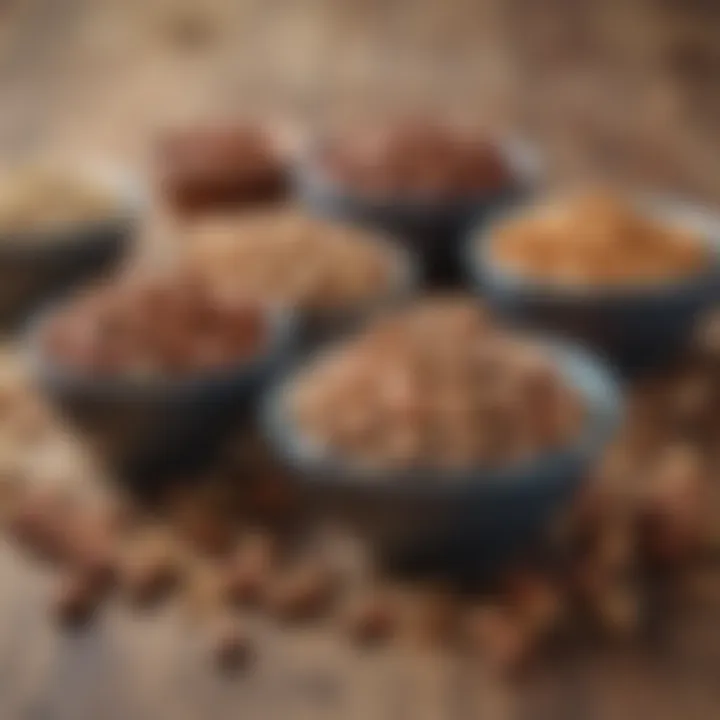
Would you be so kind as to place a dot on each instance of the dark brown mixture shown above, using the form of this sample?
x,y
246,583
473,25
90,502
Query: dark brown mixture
x,y
416,160
205,168
148,328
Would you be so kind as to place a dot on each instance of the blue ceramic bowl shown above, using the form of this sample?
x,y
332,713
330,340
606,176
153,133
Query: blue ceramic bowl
x,y
38,266
155,429
433,231
638,328
470,522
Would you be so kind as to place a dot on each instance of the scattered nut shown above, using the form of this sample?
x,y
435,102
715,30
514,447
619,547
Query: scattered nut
x,y
149,568
76,600
248,572
372,620
232,646
40,524
497,636
303,593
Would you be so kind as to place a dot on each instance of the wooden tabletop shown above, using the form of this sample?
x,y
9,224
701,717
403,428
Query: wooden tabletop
x,y
97,77
155,665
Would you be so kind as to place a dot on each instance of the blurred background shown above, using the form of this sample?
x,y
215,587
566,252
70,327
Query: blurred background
x,y
616,86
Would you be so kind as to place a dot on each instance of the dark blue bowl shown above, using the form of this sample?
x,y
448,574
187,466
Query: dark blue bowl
x,y
149,431
433,231
470,523
638,328
38,266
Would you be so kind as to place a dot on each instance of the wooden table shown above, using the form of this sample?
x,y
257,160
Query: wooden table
x,y
155,666
95,77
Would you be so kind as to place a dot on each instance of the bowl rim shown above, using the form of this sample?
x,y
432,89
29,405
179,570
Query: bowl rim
x,y
478,256
131,200
593,379
282,321
523,160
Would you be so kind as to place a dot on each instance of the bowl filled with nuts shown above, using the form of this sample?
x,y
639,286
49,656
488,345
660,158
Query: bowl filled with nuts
x,y
626,276
425,182
438,434
332,275
58,229
154,371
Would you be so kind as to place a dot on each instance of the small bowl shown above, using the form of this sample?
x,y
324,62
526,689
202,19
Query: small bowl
x,y
40,265
638,328
151,430
471,522
432,230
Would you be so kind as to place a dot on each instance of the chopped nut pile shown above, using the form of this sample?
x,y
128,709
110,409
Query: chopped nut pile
x,y
288,257
416,160
205,168
436,385
38,200
160,326
597,239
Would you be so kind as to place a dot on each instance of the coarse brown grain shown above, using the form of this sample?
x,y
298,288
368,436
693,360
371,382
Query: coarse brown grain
x,y
597,239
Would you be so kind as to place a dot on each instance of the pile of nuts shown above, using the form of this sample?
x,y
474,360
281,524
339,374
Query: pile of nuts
x,y
205,168
416,160
155,326
597,239
289,257
436,385
38,200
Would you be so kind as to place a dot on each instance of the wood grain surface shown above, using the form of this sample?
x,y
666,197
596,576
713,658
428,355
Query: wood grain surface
x,y
96,78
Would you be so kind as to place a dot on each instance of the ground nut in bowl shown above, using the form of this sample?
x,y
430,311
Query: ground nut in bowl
x,y
424,182
627,277
155,372
58,229
332,275
440,435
